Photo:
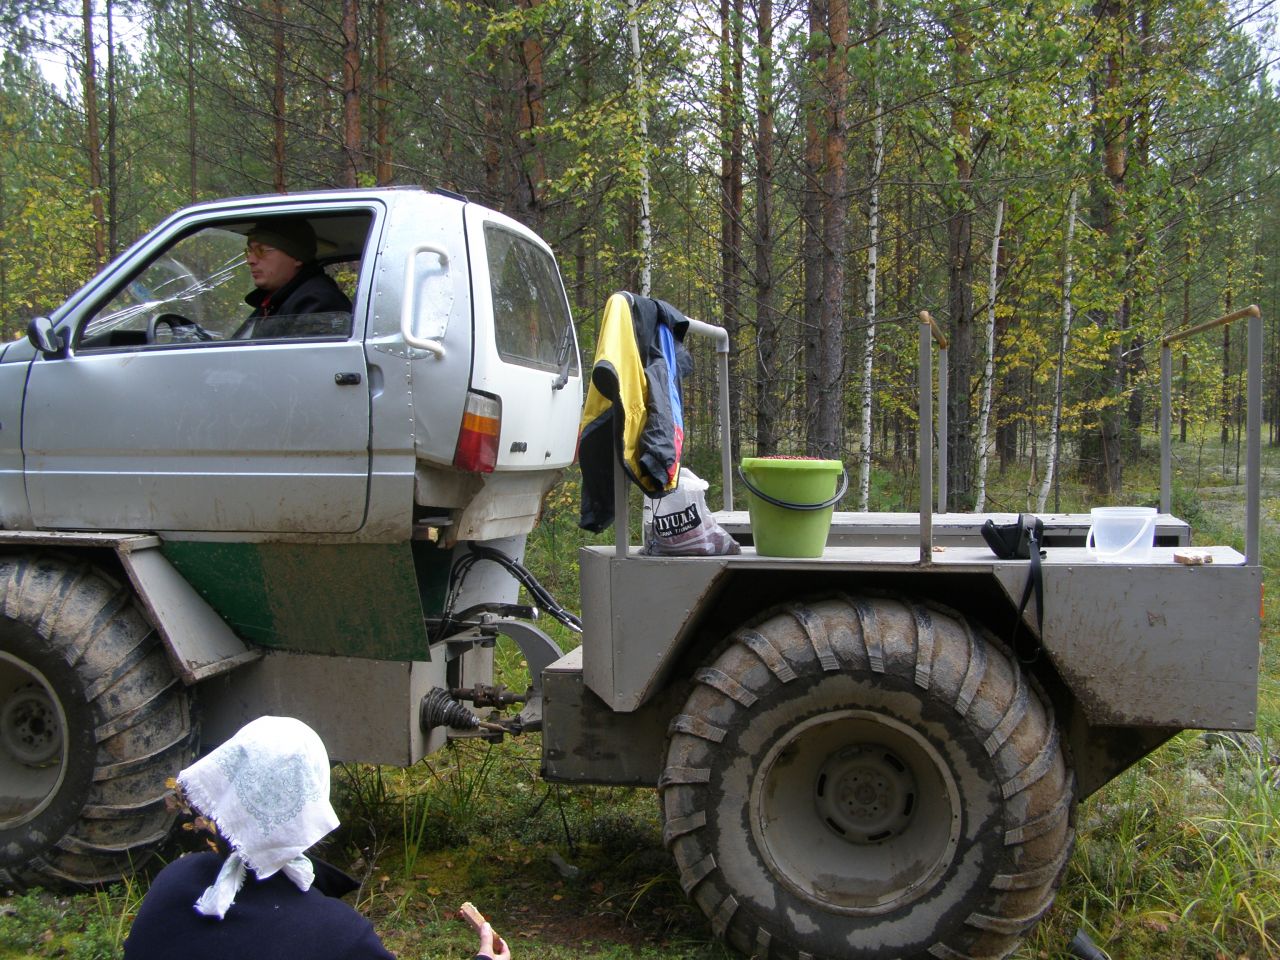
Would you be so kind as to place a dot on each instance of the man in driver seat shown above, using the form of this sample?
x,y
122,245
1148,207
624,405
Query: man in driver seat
x,y
281,254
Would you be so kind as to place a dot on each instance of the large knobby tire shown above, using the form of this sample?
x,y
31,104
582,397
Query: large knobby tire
x,y
869,779
92,723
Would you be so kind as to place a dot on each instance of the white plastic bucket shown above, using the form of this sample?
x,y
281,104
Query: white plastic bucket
x,y
1121,534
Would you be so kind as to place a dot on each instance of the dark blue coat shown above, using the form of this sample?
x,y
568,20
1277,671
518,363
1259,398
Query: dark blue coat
x,y
271,920
311,293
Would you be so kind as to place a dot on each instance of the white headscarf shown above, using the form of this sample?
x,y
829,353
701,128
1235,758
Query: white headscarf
x,y
267,789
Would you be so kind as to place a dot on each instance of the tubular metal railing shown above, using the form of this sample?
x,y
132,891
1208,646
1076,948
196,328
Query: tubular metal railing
x,y
929,332
1253,421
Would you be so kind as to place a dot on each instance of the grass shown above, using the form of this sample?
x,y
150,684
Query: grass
x,y
1177,858
90,926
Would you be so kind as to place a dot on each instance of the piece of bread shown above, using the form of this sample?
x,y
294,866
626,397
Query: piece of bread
x,y
469,913
1193,557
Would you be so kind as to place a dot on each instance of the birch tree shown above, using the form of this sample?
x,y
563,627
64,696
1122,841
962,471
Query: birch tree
x,y
1064,342
988,366
873,260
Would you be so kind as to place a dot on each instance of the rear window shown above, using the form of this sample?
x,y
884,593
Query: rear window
x,y
530,315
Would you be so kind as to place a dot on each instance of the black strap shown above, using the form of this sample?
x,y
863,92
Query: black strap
x,y
1034,582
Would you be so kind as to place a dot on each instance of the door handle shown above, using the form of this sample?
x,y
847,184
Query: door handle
x,y
346,379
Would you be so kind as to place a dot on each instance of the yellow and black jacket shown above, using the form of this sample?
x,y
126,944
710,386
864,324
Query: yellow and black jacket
x,y
634,410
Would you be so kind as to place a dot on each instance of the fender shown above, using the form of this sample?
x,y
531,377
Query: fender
x,y
198,642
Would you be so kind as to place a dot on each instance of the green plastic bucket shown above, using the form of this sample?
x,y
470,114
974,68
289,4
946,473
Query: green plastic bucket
x,y
790,500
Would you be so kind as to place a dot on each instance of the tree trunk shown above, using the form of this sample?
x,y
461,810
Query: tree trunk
x,y
960,273
873,255
811,215
831,327
385,173
988,368
768,402
642,114
1113,129
1186,322
279,180
531,171
192,166
1182,414
1134,351
4,261
1226,382
92,139
731,166
351,141
113,193
1055,422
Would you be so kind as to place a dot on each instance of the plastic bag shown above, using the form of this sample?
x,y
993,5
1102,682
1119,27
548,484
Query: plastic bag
x,y
680,525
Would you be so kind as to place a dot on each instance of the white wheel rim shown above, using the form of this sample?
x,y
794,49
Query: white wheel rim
x,y
33,742
855,812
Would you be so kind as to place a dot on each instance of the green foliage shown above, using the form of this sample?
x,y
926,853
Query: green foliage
x,y
1176,858
92,926
25,920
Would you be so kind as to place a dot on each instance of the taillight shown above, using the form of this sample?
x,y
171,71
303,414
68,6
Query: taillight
x,y
477,448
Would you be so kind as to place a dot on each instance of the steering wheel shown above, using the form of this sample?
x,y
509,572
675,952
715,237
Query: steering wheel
x,y
162,328
175,328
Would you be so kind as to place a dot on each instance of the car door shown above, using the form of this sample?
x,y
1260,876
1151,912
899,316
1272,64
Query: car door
x,y
528,356
157,419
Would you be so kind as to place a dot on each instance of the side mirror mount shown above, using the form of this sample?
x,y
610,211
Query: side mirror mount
x,y
44,338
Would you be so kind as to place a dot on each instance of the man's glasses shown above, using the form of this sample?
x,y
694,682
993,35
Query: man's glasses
x,y
258,250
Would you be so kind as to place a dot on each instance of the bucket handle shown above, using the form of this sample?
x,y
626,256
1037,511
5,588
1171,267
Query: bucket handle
x,y
1146,528
844,486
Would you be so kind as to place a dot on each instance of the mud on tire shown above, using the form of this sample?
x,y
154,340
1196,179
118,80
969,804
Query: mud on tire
x,y
871,779
92,723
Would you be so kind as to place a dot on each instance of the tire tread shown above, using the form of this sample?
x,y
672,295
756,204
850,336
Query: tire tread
x,y
923,645
141,717
768,654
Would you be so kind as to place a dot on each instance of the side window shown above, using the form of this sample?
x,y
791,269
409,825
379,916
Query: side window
x,y
210,286
530,315
193,290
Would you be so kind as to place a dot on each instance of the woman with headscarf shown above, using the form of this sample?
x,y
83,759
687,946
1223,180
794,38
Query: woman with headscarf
x,y
267,792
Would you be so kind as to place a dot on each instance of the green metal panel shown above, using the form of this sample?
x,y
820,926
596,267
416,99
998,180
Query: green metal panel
x,y
357,600
433,565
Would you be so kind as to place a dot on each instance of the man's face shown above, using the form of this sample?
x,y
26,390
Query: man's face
x,y
270,268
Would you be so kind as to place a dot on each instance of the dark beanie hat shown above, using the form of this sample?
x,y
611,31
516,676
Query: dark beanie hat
x,y
292,235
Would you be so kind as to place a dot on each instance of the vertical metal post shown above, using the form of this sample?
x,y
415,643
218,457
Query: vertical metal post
x,y
943,387
1253,399
1253,464
1166,420
926,439
721,337
726,435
